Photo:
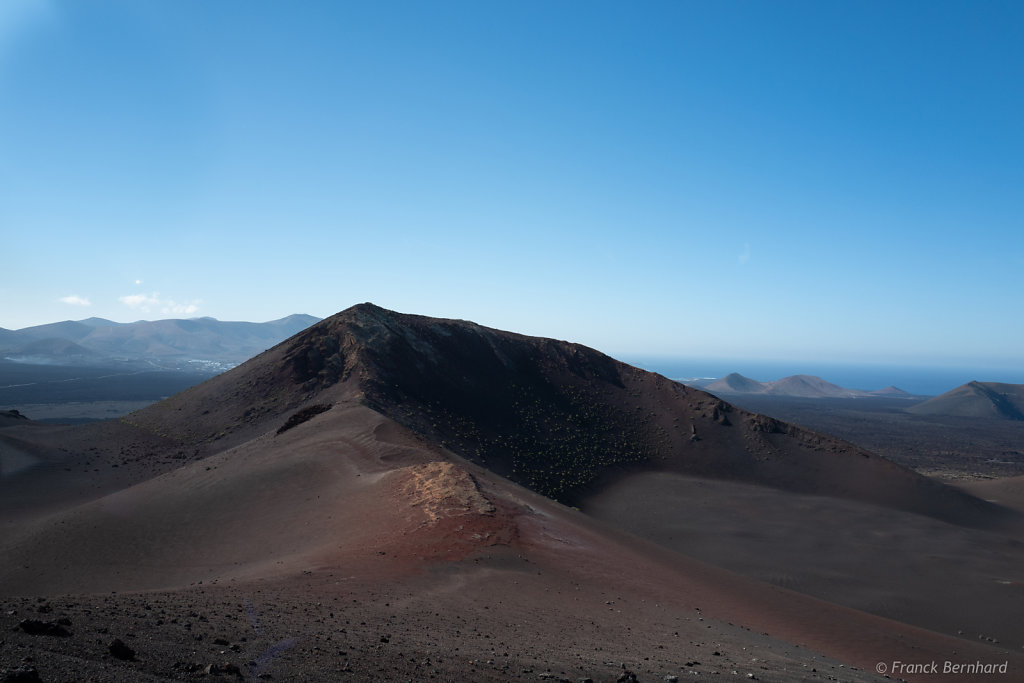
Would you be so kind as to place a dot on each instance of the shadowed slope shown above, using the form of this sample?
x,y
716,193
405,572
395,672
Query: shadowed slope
x,y
561,418
557,417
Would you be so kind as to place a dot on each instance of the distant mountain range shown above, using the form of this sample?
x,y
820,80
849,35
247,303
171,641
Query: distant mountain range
x,y
797,386
171,344
975,399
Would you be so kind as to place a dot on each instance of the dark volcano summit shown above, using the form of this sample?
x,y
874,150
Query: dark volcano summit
x,y
557,417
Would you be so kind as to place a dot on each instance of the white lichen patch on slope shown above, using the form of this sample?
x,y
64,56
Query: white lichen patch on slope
x,y
443,490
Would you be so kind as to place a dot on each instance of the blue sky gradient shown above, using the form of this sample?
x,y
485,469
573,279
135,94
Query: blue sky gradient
x,y
832,181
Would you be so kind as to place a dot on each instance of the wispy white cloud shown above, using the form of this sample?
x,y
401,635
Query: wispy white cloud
x,y
149,303
172,308
745,254
141,302
75,300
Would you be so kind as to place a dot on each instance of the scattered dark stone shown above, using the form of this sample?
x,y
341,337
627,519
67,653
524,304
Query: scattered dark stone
x,y
768,425
626,677
23,674
226,669
34,627
119,650
719,415
220,641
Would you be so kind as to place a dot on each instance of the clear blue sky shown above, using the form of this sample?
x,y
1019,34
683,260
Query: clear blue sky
x,y
838,181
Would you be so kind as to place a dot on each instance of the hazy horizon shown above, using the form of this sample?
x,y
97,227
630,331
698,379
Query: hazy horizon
x,y
917,377
916,372
828,182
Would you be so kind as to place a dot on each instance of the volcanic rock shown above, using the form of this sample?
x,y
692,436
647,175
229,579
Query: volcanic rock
x,y
118,649
35,627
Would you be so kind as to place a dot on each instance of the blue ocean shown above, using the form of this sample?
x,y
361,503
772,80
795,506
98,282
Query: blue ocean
x,y
914,379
